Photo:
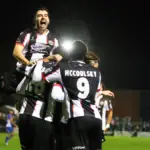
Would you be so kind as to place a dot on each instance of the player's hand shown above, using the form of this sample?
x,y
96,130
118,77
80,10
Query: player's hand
x,y
108,93
46,59
33,62
107,127
58,57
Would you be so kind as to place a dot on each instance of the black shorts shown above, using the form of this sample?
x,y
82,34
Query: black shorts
x,y
59,128
62,137
85,133
35,134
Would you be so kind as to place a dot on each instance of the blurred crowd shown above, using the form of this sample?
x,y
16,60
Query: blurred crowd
x,y
126,124
117,124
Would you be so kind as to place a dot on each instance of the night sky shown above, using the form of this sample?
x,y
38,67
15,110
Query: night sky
x,y
118,31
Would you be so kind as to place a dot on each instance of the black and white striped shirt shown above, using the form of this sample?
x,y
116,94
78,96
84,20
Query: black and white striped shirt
x,y
105,105
37,101
36,46
80,82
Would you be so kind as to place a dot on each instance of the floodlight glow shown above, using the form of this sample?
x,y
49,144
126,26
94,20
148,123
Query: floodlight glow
x,y
67,45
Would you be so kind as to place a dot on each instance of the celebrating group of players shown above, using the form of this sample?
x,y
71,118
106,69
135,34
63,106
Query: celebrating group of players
x,y
61,91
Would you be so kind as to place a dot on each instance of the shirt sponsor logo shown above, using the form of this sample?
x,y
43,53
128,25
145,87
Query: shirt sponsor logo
x,y
38,46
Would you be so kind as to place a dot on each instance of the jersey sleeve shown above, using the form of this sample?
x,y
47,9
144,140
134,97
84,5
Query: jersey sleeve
x,y
108,105
56,43
53,76
24,38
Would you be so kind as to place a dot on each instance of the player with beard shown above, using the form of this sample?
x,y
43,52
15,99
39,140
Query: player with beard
x,y
31,45
104,97
92,59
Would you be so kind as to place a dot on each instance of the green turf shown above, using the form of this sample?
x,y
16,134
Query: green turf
x,y
13,143
126,143
112,143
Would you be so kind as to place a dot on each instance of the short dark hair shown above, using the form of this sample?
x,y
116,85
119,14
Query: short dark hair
x,y
42,8
61,51
79,50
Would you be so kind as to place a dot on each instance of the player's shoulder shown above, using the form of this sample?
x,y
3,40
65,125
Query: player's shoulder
x,y
26,31
63,62
76,63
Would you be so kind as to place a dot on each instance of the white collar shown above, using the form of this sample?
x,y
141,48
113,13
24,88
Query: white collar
x,y
80,61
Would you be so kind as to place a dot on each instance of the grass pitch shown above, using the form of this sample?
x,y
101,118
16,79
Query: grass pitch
x,y
112,143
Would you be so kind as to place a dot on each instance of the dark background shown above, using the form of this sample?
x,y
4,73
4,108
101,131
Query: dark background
x,y
118,31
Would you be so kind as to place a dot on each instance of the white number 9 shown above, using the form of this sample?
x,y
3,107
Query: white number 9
x,y
83,87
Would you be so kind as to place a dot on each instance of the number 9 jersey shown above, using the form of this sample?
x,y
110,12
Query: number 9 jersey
x,y
80,82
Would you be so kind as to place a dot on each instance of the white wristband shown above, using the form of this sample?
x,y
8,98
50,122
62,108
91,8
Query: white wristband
x,y
107,126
